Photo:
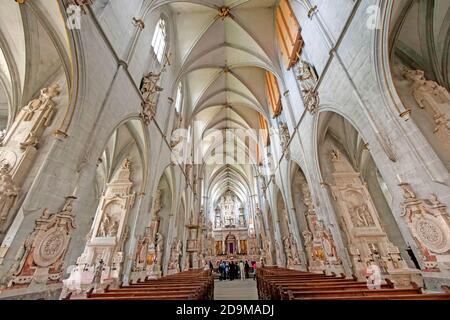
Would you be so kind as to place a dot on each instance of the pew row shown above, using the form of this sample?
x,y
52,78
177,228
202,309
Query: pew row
x,y
189,285
275,283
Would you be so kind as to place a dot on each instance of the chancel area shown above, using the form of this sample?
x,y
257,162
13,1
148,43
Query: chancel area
x,y
220,149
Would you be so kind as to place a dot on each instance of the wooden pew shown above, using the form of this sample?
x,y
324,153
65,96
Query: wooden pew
x,y
278,283
190,285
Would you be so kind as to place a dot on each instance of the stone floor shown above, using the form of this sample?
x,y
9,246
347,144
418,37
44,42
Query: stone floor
x,y
235,290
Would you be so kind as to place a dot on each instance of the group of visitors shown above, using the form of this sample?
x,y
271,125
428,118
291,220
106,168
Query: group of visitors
x,y
230,270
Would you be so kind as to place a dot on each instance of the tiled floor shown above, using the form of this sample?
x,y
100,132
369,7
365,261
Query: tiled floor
x,y
235,290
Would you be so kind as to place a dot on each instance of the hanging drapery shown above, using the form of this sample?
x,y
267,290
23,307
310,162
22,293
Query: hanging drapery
x,y
273,94
288,33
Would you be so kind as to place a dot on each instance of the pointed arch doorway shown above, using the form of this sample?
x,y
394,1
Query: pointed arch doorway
x,y
231,244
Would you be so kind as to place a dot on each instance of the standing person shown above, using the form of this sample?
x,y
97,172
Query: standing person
x,y
241,270
254,269
232,270
247,270
222,271
98,275
227,270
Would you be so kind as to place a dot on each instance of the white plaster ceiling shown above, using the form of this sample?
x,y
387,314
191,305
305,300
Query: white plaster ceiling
x,y
222,67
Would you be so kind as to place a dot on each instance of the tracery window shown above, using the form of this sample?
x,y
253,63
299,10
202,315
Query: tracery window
x,y
159,40
288,33
258,155
273,94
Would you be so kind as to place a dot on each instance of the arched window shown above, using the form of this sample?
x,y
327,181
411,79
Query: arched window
x,y
159,40
179,98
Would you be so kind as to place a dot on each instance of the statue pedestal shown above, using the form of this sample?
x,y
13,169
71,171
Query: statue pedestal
x,y
316,266
404,278
79,283
137,276
297,267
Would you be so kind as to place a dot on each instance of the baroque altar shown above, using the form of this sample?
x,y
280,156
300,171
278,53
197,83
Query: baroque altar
x,y
107,237
367,240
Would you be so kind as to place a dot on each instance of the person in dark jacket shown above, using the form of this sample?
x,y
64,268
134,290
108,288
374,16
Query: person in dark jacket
x,y
247,270
232,270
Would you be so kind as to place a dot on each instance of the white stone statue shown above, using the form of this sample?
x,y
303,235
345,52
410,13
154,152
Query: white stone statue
x,y
278,252
150,92
42,255
159,251
288,252
426,92
8,192
45,104
112,230
294,247
201,217
179,254
97,280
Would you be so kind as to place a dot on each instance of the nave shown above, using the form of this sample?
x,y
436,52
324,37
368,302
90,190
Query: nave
x,y
142,142
271,283
236,290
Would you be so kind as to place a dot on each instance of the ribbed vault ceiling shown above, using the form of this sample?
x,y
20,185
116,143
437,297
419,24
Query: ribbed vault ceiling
x,y
223,60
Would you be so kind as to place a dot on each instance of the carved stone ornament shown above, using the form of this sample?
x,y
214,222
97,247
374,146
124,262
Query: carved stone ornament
x,y
367,240
2,135
320,246
9,192
312,100
434,99
19,148
138,23
159,253
108,235
150,93
41,257
291,252
81,4
307,78
285,137
428,221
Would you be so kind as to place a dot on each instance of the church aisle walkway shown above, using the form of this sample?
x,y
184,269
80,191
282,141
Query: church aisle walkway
x,y
235,290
